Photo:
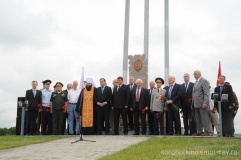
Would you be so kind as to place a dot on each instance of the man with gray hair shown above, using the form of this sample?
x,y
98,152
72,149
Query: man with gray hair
x,y
139,105
173,96
73,96
131,86
200,101
186,102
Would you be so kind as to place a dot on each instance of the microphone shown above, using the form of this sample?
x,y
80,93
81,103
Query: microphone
x,y
26,103
20,104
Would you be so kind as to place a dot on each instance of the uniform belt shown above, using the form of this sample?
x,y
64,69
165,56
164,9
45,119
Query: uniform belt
x,y
47,109
72,103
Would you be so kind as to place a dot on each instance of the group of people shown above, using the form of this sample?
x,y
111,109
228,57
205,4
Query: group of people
x,y
93,110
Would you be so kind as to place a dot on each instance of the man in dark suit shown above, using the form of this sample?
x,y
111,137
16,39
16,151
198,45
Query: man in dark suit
x,y
131,87
139,105
149,113
186,103
120,102
111,115
226,106
173,95
102,99
33,96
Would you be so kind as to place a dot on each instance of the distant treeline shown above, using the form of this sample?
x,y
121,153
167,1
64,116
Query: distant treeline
x,y
8,131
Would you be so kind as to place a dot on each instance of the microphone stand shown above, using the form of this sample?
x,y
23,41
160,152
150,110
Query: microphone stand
x,y
81,134
80,124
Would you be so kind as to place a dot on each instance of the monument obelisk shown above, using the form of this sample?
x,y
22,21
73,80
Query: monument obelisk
x,y
138,64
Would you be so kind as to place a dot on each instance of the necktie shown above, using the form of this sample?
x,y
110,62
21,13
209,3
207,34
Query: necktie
x,y
34,92
102,89
158,90
195,85
138,95
170,92
221,89
186,85
131,87
118,88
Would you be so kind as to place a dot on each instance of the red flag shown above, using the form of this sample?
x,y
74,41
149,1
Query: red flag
x,y
219,73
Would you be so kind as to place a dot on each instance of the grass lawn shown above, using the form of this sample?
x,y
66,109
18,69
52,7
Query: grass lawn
x,y
181,148
7,142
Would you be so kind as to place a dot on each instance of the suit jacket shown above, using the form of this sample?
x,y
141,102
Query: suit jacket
x,y
130,90
175,94
33,101
200,94
133,87
143,101
121,98
227,89
103,97
186,97
156,104
149,96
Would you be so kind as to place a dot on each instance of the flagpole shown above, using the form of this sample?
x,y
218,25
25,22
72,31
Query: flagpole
x,y
166,37
146,35
126,40
219,103
81,85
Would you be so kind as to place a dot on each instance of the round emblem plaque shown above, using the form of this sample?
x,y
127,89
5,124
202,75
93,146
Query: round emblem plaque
x,y
137,65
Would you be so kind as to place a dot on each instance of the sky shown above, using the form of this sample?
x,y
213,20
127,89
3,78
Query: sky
x,y
54,39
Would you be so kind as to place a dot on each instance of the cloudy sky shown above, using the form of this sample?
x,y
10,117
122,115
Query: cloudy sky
x,y
54,39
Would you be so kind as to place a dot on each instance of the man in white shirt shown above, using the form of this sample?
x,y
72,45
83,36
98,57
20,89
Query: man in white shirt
x,y
73,96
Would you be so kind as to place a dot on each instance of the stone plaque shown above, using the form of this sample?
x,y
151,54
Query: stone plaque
x,y
138,67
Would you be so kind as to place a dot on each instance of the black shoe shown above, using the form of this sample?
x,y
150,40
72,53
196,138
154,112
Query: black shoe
x,y
99,133
130,129
125,133
143,133
107,133
115,134
136,134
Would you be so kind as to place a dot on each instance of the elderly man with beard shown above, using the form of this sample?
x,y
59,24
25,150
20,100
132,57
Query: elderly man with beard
x,y
86,108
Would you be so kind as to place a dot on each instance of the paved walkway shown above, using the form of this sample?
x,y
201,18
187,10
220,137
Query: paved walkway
x,y
64,150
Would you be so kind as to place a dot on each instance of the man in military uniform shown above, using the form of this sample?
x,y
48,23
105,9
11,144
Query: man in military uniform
x,y
157,105
58,108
